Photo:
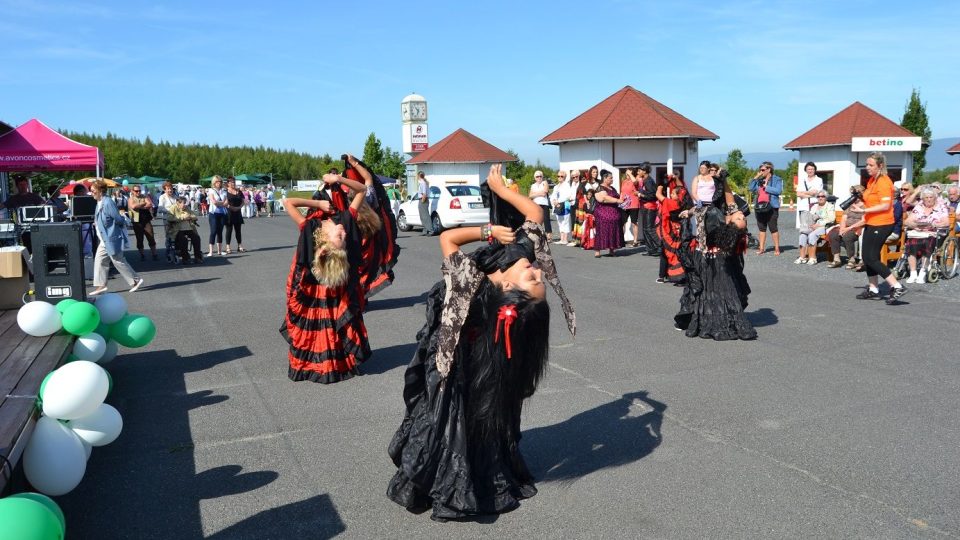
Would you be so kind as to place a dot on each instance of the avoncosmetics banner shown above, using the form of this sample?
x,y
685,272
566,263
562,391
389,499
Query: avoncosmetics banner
x,y
35,147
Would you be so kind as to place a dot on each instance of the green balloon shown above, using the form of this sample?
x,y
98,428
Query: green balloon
x,y
64,304
43,385
103,330
49,503
133,330
81,318
27,519
70,358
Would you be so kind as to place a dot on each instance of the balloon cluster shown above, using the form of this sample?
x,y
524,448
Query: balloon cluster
x,y
71,398
31,516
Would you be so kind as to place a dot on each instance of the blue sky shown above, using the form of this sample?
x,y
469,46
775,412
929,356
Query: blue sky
x,y
320,78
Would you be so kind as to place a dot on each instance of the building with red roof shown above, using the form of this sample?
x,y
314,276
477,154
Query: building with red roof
x,y
954,150
627,129
460,157
840,145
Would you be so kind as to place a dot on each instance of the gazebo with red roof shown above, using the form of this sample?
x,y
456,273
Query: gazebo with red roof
x,y
627,129
840,145
460,157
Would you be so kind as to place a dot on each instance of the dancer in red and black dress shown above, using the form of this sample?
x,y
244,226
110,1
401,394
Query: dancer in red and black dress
x,y
673,199
480,354
378,225
324,322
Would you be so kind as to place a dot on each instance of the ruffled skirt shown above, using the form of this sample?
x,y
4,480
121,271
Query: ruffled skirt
x,y
714,299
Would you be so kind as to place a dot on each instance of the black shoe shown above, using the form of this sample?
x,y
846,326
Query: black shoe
x,y
895,295
867,294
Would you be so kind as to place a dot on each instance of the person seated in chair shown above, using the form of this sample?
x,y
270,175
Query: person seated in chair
x,y
930,214
848,233
182,226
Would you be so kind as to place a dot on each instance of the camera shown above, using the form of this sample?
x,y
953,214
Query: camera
x,y
855,195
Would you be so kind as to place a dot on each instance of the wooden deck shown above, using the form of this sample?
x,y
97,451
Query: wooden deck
x,y
24,362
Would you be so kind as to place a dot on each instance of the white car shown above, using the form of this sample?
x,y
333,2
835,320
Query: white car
x,y
452,205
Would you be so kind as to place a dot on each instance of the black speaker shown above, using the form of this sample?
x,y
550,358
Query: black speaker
x,y
57,262
83,208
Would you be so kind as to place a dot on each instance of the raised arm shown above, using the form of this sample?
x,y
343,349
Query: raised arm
x,y
452,239
293,206
525,205
331,179
355,163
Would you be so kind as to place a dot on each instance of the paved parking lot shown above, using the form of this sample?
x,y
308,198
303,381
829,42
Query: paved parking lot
x,y
837,422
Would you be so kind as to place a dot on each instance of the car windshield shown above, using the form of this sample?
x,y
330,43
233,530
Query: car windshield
x,y
464,191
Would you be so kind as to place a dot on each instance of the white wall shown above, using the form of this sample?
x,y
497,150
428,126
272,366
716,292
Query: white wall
x,y
614,154
441,173
846,165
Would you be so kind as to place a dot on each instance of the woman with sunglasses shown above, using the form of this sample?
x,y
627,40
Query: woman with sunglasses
x,y
217,202
767,188
140,207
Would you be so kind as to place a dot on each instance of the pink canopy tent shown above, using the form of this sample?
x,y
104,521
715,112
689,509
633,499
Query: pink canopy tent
x,y
35,147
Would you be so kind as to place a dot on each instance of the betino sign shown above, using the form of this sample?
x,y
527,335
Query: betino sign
x,y
889,144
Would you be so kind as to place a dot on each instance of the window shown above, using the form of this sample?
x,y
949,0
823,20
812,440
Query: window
x,y
464,191
434,192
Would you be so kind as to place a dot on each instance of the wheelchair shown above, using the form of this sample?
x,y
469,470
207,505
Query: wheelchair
x,y
942,263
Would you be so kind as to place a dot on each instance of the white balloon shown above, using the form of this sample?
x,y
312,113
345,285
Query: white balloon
x,y
90,347
112,308
110,353
75,390
39,318
100,428
86,446
54,461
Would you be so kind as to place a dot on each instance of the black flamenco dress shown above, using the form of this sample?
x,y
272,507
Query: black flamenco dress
x,y
324,325
715,296
457,449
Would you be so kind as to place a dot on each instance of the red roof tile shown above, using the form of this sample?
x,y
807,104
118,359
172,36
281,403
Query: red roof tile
x,y
461,146
628,114
857,120
955,149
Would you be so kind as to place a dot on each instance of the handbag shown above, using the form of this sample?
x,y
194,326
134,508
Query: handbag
x,y
762,208
560,209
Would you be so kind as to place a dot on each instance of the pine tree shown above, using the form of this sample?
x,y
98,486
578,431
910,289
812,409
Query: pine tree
x,y
915,119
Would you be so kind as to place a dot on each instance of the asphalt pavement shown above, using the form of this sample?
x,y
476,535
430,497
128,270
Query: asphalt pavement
x,y
839,421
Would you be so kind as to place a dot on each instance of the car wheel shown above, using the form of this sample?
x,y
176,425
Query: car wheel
x,y
402,222
437,226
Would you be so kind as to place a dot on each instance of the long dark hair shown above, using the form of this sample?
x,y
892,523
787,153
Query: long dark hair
x,y
497,381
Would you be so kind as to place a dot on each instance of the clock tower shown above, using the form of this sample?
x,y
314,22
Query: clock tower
x,y
413,114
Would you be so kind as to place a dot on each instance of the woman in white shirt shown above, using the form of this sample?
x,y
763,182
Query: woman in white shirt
x,y
563,199
540,193
807,189
217,202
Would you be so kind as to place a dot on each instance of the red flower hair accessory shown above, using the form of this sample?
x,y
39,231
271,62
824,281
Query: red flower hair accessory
x,y
505,317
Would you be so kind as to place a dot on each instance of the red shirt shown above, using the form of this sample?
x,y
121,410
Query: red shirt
x,y
628,187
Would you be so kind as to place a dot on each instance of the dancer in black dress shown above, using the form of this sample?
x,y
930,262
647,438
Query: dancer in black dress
x,y
480,354
716,292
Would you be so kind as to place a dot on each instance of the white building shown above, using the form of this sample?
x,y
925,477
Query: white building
x,y
627,129
841,144
461,158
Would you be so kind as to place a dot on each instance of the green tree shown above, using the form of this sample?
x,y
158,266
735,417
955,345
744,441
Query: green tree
x,y
736,166
915,119
373,153
515,169
393,163
789,189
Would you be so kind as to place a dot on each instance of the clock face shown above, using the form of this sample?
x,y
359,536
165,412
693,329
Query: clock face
x,y
418,110
405,111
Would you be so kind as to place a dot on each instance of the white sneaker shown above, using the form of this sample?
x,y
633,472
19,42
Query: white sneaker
x,y
800,260
921,277
571,243
136,285
912,278
812,261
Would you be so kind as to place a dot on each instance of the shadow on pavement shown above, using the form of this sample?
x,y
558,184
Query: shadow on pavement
x,y
613,434
168,284
315,517
762,317
146,484
396,303
389,358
